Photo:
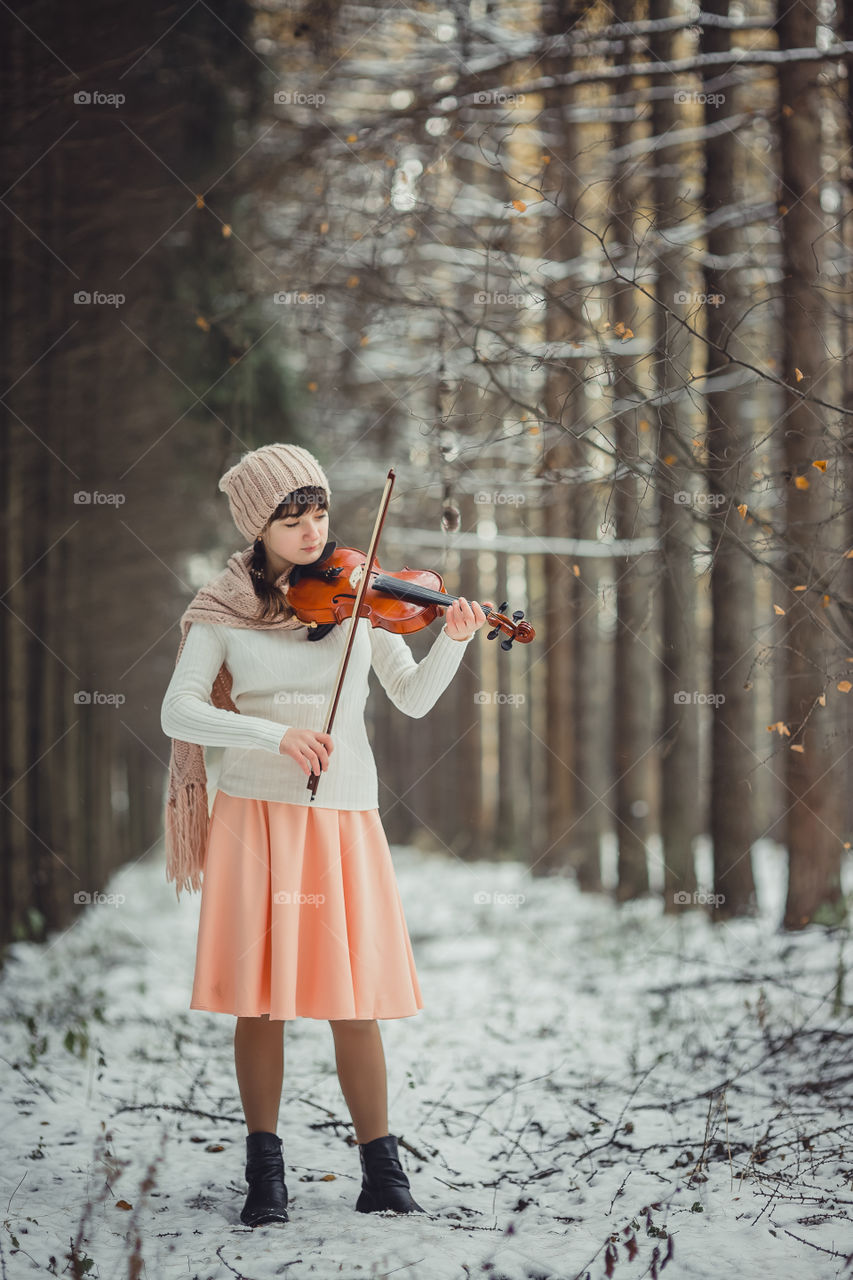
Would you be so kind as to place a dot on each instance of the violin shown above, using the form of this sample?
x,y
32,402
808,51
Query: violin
x,y
323,593
339,585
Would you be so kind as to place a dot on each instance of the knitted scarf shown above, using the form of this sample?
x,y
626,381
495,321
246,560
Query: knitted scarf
x,y
228,598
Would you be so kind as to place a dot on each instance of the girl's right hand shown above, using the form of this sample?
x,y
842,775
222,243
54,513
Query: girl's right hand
x,y
310,749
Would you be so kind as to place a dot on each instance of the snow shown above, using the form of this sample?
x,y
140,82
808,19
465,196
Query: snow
x,y
554,1091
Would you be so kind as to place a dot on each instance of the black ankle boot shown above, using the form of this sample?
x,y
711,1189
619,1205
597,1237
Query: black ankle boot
x,y
267,1198
384,1183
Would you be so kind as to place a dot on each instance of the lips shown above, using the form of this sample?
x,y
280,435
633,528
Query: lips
x,y
316,547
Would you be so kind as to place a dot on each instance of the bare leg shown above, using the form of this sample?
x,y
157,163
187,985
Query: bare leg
x,y
259,1060
360,1061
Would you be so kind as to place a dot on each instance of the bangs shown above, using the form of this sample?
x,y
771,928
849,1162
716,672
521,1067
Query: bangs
x,y
300,501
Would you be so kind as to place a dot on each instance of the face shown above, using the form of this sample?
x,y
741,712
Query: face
x,y
297,539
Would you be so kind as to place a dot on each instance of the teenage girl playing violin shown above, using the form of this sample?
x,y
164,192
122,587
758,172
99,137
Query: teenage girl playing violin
x,y
300,912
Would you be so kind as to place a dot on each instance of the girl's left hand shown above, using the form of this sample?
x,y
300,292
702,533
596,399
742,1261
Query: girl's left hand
x,y
463,619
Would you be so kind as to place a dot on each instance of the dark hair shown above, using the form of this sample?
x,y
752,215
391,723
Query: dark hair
x,y
273,603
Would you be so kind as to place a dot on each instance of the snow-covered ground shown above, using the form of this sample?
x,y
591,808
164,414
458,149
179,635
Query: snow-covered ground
x,y
556,1095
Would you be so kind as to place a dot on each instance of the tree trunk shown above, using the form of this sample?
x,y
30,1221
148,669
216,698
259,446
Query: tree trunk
x,y
632,649
814,776
682,812
729,445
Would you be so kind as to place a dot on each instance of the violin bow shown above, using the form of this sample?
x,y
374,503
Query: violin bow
x,y
356,613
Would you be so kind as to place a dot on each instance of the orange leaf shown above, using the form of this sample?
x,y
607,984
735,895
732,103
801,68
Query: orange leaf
x,y
324,227
787,111
795,746
352,137
122,1204
576,571
820,463
825,601
799,375
779,727
669,458
742,509
801,588
202,324
352,282
199,202
546,159
519,205
800,482
777,609
312,386
363,340
822,700
844,686
783,209
644,426
629,333
226,230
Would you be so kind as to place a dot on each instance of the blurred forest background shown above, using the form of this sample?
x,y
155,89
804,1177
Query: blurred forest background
x,y
581,273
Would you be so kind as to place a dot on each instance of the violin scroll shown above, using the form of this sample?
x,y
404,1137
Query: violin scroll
x,y
515,630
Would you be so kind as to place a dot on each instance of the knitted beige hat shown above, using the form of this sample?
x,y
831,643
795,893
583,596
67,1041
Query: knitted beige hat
x,y
261,479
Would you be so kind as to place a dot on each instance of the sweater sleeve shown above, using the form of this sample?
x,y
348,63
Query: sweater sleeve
x,y
415,687
187,713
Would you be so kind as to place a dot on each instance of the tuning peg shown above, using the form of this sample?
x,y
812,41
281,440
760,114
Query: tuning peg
x,y
506,644
491,634
501,608
519,613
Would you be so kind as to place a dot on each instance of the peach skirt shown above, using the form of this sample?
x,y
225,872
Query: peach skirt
x,y
301,915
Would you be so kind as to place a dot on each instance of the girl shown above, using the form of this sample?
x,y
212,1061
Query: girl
x,y
300,913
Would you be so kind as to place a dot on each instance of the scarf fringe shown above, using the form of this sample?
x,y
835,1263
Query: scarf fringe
x,y
186,826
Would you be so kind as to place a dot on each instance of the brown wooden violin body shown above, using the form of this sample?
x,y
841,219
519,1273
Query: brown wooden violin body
x,y
323,594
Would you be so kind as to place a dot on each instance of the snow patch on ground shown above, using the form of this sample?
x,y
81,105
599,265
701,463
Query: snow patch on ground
x,y
588,1089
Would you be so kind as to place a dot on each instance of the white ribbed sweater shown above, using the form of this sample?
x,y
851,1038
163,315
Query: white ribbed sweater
x,y
282,680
